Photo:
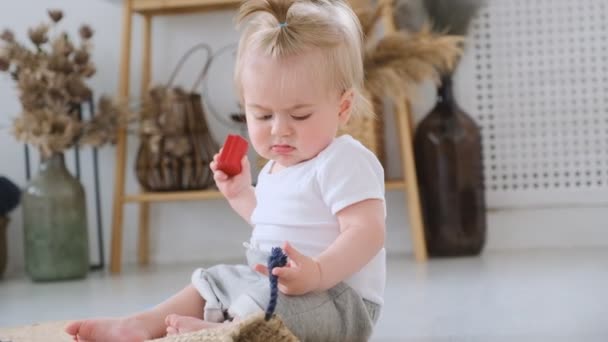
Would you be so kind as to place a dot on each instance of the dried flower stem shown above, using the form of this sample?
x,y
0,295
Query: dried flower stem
x,y
51,84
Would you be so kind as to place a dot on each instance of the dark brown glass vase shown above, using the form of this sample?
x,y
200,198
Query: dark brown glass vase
x,y
447,145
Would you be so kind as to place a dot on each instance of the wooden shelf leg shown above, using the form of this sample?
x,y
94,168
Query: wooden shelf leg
x,y
121,141
402,115
143,243
405,126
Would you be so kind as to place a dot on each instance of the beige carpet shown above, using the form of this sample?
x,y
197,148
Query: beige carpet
x,y
253,329
49,331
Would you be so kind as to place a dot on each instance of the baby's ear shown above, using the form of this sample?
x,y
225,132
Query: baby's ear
x,y
346,105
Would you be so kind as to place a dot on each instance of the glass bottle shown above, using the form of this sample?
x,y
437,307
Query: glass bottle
x,y
447,146
55,223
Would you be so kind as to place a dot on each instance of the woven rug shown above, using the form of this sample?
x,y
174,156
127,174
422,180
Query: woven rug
x,y
252,329
48,331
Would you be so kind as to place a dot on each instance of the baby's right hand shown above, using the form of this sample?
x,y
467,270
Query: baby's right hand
x,y
231,187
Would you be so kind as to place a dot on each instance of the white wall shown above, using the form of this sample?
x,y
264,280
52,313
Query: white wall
x,y
208,229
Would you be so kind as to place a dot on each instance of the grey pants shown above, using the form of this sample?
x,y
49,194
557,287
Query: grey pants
x,y
338,314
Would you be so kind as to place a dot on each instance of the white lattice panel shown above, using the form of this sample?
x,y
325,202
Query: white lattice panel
x,y
541,98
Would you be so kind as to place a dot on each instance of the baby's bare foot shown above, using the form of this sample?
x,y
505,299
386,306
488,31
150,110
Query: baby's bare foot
x,y
177,324
116,330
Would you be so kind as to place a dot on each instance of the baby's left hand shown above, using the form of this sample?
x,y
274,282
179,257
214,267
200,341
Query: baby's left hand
x,y
301,275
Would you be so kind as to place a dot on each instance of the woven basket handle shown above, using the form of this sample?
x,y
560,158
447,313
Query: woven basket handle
x,y
182,60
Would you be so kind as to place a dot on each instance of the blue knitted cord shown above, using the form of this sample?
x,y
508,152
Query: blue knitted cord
x,y
277,259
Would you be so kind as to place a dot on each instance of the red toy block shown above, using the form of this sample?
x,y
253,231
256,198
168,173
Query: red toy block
x,y
233,151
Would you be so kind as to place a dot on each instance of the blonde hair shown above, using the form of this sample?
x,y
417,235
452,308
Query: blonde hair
x,y
283,28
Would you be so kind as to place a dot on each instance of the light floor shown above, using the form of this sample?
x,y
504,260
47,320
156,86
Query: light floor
x,y
524,295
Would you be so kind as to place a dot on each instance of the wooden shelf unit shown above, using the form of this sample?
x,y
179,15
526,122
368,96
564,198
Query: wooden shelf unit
x,y
149,9
171,7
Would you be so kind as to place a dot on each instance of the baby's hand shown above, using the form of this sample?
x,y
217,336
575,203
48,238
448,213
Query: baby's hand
x,y
231,187
301,275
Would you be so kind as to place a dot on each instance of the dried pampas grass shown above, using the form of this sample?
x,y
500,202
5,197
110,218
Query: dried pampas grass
x,y
158,120
399,61
447,16
394,66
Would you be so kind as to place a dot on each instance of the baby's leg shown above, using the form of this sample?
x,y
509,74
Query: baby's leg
x,y
178,324
141,326
109,329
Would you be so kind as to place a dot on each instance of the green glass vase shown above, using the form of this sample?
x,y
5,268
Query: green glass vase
x,y
55,223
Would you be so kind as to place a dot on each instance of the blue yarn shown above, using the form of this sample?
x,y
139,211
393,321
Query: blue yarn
x,y
277,259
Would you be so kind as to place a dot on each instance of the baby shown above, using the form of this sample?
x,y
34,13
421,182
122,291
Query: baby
x,y
299,74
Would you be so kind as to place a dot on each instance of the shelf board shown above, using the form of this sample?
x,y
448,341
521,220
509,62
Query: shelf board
x,y
211,194
174,196
168,7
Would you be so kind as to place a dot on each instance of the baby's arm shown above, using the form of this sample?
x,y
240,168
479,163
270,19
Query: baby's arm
x,y
362,232
237,189
244,203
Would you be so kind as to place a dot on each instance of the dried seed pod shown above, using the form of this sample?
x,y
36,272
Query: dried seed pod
x,y
81,57
86,32
8,36
38,35
55,15
5,64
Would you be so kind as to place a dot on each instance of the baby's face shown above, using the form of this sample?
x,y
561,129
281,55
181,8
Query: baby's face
x,y
292,115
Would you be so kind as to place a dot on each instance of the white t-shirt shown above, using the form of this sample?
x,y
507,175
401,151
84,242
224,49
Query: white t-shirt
x,y
299,204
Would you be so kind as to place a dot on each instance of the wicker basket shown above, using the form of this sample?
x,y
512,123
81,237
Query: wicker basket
x,y
176,145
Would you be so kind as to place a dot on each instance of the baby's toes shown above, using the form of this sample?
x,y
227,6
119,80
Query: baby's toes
x,y
171,320
171,331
